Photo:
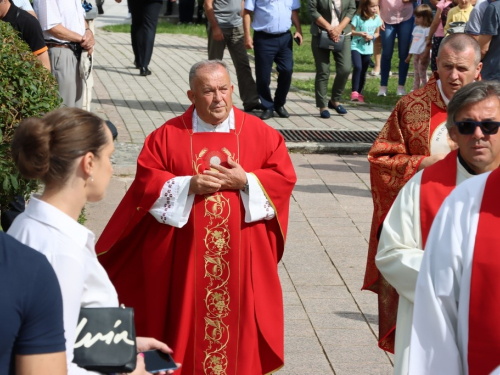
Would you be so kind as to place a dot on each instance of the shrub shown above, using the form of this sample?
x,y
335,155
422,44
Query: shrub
x,y
305,17
27,89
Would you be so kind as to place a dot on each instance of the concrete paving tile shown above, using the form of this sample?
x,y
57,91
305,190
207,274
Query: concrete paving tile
x,y
347,337
291,299
295,312
330,306
350,321
304,344
322,292
355,354
305,364
363,369
299,328
329,278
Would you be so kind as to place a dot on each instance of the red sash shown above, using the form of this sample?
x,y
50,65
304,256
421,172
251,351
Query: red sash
x,y
438,180
217,219
484,327
438,117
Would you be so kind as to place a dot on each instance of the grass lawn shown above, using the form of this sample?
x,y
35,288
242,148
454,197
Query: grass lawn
x,y
165,28
303,62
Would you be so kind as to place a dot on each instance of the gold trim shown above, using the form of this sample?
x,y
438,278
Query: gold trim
x,y
240,293
218,273
272,204
195,283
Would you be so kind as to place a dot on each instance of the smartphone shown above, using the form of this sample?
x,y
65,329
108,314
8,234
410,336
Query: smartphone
x,y
297,40
157,361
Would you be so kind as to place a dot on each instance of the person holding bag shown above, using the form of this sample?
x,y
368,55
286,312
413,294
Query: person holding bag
x,y
331,17
69,150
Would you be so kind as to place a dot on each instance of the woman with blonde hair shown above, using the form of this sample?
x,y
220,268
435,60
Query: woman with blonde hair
x,y
69,150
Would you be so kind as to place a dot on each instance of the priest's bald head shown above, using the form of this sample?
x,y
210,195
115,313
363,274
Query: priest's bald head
x,y
473,121
211,90
458,62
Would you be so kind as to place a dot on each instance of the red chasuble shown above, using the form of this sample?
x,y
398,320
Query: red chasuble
x,y
210,290
484,327
394,158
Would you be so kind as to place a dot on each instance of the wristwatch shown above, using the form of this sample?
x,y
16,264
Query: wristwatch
x,y
246,189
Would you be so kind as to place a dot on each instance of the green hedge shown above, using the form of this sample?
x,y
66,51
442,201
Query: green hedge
x,y
305,18
27,89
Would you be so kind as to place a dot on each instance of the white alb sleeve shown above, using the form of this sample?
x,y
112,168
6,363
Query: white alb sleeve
x,y
174,203
257,206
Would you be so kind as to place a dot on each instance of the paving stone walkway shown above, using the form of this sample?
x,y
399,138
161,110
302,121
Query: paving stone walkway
x,y
330,325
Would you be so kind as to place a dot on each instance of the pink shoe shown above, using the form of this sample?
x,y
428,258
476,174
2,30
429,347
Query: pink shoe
x,y
354,96
361,99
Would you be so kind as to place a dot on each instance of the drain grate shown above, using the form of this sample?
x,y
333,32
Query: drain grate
x,y
335,136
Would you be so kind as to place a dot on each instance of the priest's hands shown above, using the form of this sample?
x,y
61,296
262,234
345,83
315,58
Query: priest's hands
x,y
209,182
233,178
203,184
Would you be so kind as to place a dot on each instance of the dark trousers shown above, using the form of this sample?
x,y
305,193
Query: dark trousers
x,y
186,10
271,48
235,43
342,70
360,64
143,31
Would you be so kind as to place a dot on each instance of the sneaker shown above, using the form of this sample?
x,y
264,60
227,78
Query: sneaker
x,y
401,91
374,73
354,96
129,15
361,99
382,91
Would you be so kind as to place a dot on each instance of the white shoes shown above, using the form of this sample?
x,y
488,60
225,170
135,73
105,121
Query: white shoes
x,y
400,91
382,91
129,15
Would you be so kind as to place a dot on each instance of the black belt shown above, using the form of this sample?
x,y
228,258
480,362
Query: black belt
x,y
271,34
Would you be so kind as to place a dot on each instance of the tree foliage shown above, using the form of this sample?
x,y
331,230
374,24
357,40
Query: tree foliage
x,y
27,89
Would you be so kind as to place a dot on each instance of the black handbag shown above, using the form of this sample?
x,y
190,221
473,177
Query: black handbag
x,y
324,39
326,43
105,340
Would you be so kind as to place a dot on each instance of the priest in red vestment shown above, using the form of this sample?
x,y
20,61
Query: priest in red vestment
x,y
195,242
413,138
407,225
455,322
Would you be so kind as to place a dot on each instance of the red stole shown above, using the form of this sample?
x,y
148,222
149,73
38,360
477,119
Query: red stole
x,y
438,117
217,248
438,180
484,328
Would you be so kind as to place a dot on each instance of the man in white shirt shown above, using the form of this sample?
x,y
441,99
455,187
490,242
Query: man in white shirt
x,y
406,227
194,244
66,33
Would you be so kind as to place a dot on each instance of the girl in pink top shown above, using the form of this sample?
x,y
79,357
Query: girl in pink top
x,y
398,18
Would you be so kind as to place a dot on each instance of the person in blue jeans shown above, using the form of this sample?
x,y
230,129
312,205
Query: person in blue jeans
x,y
365,29
397,17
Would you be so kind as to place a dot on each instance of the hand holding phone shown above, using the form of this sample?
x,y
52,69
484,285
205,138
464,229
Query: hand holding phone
x,y
297,40
157,361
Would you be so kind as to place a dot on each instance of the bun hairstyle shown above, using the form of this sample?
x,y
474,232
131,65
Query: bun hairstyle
x,y
46,148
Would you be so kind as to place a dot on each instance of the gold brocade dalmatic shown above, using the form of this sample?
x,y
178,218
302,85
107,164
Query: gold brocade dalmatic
x,y
394,158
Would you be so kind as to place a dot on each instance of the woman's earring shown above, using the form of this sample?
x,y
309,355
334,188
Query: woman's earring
x,y
91,178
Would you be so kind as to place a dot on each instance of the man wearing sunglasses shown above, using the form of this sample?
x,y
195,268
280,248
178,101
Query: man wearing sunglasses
x,y
455,327
473,121
413,138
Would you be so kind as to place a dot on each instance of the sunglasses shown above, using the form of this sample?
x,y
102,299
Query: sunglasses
x,y
469,127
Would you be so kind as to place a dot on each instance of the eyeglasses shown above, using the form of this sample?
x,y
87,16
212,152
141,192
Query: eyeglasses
x,y
469,127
